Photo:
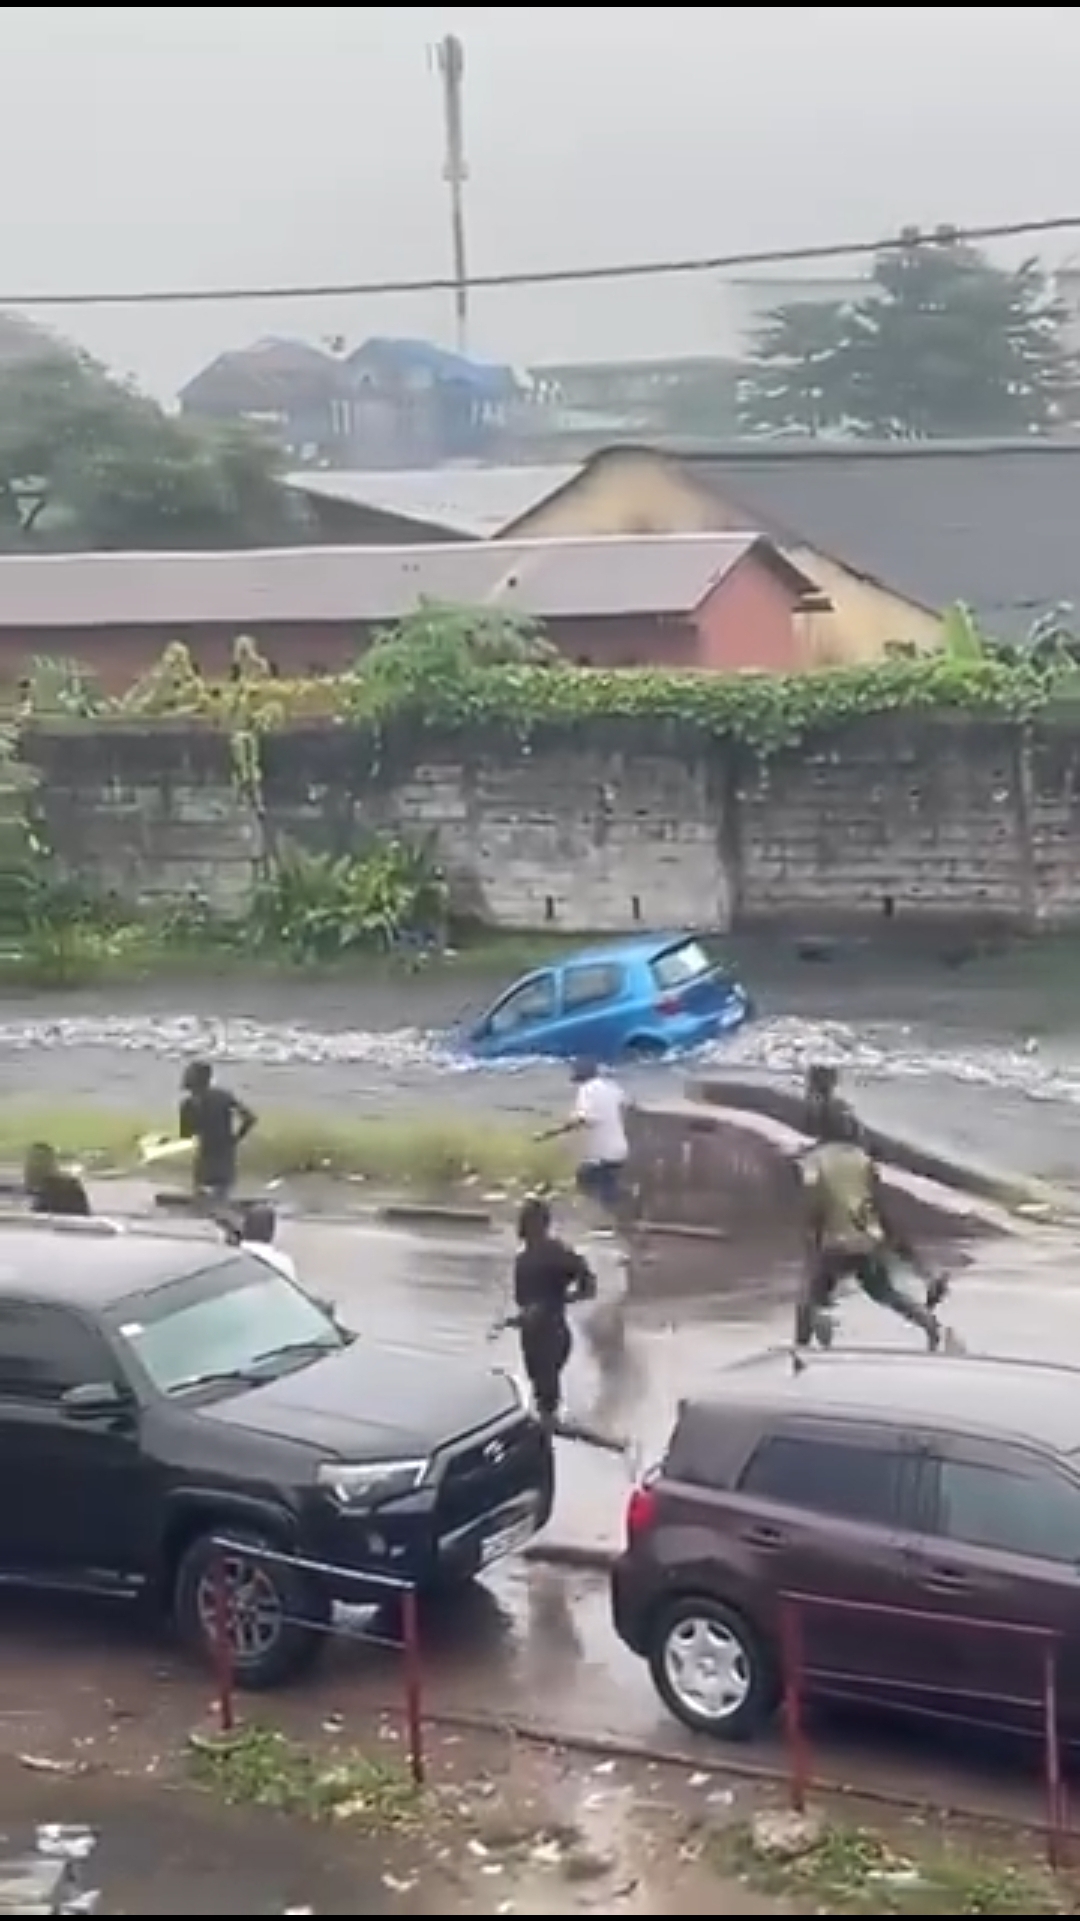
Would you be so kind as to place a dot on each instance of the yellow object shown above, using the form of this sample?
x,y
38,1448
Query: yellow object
x,y
161,1147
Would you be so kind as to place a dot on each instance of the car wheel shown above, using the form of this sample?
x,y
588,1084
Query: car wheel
x,y
276,1614
711,1670
644,1048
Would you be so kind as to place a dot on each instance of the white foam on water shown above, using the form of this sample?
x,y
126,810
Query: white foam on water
x,y
781,1047
787,1047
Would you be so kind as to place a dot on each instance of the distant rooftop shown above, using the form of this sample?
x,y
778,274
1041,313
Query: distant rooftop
x,y
474,502
547,579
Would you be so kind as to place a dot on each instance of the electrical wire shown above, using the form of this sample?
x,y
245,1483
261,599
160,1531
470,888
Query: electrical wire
x,y
548,276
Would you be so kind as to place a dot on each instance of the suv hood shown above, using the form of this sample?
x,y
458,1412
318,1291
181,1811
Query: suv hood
x,y
368,1402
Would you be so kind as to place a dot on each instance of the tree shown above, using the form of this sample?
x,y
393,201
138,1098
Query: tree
x,y
943,344
86,461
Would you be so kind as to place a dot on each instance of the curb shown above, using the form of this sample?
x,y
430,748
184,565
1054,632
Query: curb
x,y
433,1214
1013,1192
726,1763
571,1556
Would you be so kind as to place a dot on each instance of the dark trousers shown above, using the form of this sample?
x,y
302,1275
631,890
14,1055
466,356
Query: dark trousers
x,y
873,1274
545,1350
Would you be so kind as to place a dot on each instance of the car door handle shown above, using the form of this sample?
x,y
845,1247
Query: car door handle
x,y
946,1580
764,1536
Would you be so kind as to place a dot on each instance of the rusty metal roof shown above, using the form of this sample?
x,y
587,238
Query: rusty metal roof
x,y
548,579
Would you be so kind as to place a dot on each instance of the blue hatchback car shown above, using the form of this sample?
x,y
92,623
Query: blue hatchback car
x,y
636,999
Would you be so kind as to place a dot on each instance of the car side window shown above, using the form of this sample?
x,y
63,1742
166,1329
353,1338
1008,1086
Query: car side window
x,y
1033,1511
534,1001
44,1351
844,1479
590,986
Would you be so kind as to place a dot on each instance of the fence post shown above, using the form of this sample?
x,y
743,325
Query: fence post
x,y
410,1636
791,1657
1052,1757
223,1653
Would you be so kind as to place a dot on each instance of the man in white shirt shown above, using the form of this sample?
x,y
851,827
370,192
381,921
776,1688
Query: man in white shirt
x,y
599,1115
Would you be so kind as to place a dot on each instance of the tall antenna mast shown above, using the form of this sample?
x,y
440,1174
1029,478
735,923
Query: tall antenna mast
x,y
450,64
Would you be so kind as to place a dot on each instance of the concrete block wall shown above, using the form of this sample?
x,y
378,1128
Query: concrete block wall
x,y
885,817
925,818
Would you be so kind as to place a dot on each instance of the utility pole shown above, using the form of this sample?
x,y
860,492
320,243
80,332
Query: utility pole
x,y
450,64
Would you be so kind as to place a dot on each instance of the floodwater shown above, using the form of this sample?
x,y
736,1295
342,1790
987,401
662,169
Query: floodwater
x,y
979,1059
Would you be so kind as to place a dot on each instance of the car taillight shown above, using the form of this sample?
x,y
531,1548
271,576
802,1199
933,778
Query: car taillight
x,y
640,1514
671,1004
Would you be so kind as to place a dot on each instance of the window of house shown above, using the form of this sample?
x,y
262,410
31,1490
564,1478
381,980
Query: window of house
x,y
589,986
44,1351
843,1478
1035,1513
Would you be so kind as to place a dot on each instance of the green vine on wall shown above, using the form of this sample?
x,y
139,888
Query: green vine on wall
x,y
425,675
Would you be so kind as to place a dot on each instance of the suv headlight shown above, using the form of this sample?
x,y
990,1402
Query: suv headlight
x,y
373,1483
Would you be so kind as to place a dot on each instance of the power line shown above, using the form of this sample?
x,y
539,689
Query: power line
x,y
546,276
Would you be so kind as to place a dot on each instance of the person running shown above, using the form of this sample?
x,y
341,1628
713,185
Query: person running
x,y
548,1276
850,1234
599,1115
217,1123
50,1188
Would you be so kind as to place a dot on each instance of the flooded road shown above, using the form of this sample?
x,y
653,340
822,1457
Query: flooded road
x,y
981,1061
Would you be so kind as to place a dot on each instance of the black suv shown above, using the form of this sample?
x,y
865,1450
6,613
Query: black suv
x,y
158,1391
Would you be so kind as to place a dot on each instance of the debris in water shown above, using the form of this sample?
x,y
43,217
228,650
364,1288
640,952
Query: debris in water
x,y
395,1885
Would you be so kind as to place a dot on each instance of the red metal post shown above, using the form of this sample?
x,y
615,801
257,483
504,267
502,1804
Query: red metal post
x,y
410,1636
791,1655
223,1654
1055,1793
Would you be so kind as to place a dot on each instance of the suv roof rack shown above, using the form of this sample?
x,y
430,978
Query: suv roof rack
x,y
92,1225
803,1359
103,1227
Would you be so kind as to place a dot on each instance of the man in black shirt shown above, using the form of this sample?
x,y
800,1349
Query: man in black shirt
x,y
49,1188
217,1123
548,1276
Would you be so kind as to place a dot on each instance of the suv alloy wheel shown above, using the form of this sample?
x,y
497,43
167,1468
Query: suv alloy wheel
x,y
710,1669
276,1613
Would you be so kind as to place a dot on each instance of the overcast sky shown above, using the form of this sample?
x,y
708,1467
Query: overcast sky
x,y
152,146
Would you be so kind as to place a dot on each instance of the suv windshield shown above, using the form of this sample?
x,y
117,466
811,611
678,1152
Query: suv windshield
x,y
240,1320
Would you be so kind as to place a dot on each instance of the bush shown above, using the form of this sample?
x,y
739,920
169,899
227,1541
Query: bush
x,y
315,907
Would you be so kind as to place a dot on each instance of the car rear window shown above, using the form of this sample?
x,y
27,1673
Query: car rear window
x,y
682,965
840,1478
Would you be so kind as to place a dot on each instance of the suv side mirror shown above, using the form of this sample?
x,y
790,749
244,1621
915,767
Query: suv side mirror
x,y
93,1399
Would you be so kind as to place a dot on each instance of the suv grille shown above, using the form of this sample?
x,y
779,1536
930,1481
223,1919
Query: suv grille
x,y
488,1472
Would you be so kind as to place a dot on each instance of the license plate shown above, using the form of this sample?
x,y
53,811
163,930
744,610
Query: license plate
x,y
506,1539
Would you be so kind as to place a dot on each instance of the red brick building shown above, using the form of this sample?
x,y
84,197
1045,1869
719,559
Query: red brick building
x,y
724,602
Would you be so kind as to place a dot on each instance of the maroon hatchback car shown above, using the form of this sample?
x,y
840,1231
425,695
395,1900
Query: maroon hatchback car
x,y
947,1487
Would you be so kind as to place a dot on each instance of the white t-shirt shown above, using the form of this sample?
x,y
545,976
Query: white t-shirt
x,y
274,1257
599,1109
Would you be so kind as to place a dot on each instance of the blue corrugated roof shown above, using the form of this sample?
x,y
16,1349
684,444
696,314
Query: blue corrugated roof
x,y
485,377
